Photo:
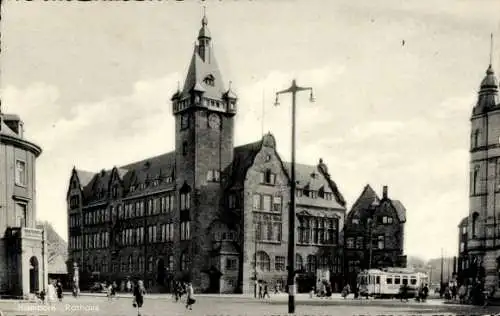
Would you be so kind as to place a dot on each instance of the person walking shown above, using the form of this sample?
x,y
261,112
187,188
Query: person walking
x,y
59,291
139,291
266,291
190,296
51,293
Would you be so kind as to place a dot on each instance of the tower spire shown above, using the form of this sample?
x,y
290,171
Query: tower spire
x,y
491,50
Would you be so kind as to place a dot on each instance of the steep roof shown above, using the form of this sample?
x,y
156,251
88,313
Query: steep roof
x,y
364,201
243,158
84,176
7,130
400,209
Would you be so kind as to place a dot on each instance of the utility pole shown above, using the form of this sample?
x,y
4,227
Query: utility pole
x,y
291,216
442,266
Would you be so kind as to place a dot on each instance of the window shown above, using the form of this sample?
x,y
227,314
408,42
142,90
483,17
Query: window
x,y
397,280
267,177
279,263
185,230
389,280
114,192
152,234
474,180
386,220
171,262
213,176
184,121
311,263
359,242
231,264
185,263
298,262
299,192
150,264
149,210
184,148
21,214
209,80
140,264
232,201
413,281
266,202
263,261
474,224
130,263
350,242
256,201
355,221
476,138
277,204
381,242
20,173
304,230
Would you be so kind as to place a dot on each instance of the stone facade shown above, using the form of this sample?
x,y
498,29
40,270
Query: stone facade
x,y
483,235
23,263
374,234
194,213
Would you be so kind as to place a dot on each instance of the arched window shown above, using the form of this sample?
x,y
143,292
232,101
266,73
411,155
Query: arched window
x,y
311,263
150,264
185,263
475,224
299,263
123,265
263,261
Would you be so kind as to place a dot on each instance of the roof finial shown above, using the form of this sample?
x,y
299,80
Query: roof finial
x,y
230,82
204,20
491,49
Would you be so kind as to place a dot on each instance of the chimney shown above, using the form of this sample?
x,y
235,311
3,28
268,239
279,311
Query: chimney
x,y
384,192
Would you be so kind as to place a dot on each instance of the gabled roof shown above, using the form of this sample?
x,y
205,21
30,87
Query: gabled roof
x,y
84,177
367,197
242,160
151,168
364,201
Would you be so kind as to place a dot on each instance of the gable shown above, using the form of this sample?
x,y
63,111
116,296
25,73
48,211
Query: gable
x,y
364,202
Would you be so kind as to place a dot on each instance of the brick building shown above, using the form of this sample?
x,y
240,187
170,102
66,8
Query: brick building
x,y
23,261
208,211
380,220
483,234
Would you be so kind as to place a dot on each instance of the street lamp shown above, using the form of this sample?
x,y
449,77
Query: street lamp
x,y
373,208
291,216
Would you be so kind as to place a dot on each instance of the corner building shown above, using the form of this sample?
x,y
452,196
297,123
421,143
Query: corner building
x,y
207,212
23,261
482,262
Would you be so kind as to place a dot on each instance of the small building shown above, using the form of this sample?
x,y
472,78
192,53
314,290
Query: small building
x,y
23,263
463,259
373,234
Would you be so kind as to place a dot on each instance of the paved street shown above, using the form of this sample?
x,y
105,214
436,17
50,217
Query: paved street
x,y
229,306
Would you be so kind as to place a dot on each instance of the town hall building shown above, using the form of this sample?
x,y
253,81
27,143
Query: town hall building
x,y
208,212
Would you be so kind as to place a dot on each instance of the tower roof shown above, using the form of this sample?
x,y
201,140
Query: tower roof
x,y
203,71
488,92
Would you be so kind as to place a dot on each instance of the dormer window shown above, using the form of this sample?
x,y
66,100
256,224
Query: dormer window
x,y
299,192
387,220
114,191
168,180
328,196
209,80
313,194
132,188
267,177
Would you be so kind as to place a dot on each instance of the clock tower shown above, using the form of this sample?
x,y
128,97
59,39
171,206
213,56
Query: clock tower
x,y
204,113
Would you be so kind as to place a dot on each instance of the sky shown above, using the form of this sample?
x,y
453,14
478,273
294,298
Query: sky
x,y
93,80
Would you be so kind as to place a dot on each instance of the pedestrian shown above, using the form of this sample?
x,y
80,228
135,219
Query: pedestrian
x,y
260,291
59,291
128,286
266,291
139,291
190,296
51,292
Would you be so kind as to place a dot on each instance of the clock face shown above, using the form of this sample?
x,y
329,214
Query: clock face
x,y
214,120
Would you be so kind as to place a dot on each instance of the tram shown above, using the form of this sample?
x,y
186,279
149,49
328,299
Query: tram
x,y
388,282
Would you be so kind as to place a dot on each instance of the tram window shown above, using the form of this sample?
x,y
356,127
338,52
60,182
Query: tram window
x,y
397,280
405,280
377,280
413,281
389,281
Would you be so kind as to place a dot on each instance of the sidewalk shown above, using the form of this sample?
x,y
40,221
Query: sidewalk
x,y
281,298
